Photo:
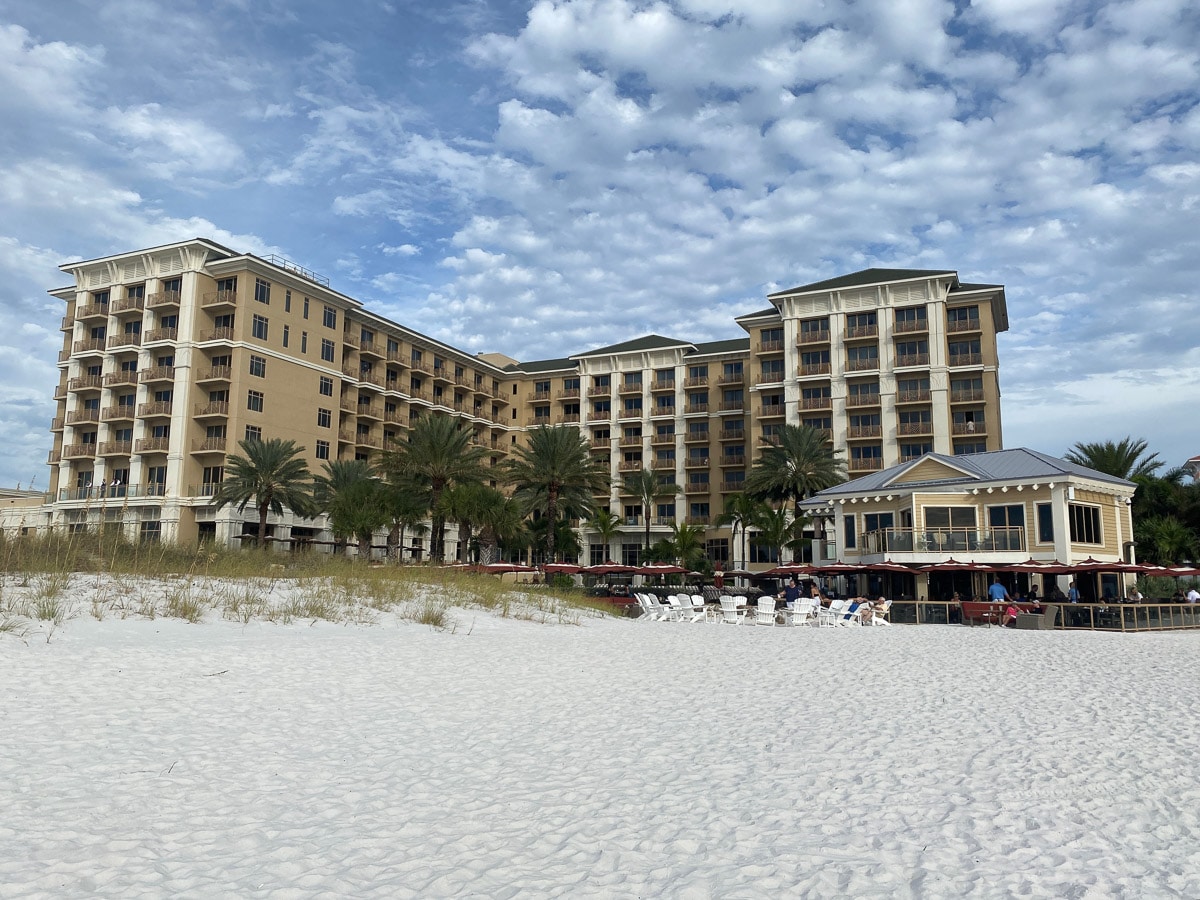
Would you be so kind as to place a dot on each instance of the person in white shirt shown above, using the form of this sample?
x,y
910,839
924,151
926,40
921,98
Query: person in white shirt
x,y
1193,596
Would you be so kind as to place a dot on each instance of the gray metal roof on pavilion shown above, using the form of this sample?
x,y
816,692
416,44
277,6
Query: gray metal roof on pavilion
x,y
1019,464
863,278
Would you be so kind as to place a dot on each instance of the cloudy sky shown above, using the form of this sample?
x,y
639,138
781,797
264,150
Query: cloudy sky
x,y
543,177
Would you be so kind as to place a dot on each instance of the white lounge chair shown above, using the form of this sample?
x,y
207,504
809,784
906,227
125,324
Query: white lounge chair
x,y
879,616
699,609
850,618
730,614
674,608
766,610
803,612
660,612
828,616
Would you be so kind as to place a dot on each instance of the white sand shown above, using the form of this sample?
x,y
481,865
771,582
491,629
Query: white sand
x,y
608,759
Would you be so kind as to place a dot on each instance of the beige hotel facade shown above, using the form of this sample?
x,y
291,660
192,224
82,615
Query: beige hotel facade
x,y
173,354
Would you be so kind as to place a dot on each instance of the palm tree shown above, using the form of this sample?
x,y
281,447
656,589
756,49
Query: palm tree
x,y
607,526
797,464
557,475
406,508
1165,540
687,544
354,499
1124,459
502,528
741,510
272,475
777,530
645,485
438,454
469,504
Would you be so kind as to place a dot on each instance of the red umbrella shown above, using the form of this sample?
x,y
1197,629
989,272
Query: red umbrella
x,y
503,568
788,569
1096,565
953,565
837,568
888,566
609,568
660,569
561,568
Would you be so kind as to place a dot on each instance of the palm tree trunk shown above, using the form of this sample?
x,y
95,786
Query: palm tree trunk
x,y
393,541
551,516
262,525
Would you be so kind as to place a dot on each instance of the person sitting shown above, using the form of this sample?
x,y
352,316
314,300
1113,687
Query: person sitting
x,y
869,609
1009,619
1033,592
1135,596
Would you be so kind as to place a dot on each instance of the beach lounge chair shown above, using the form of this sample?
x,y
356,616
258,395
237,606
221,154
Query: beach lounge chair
x,y
699,609
803,612
766,610
850,618
673,611
660,612
647,615
828,616
730,614
879,616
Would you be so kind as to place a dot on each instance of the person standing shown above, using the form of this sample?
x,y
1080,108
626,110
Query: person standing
x,y
1072,593
790,593
998,593
1193,595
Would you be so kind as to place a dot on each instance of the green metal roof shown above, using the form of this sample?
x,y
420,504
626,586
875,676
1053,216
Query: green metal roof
x,y
647,342
863,278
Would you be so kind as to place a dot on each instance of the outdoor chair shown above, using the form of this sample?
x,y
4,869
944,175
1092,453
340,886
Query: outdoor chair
x,y
730,614
661,613
674,608
848,618
828,616
802,614
699,609
766,610
879,616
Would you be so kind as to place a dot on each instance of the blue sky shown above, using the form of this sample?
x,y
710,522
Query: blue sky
x,y
541,178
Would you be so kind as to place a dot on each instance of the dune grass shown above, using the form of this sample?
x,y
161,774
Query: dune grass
x,y
47,579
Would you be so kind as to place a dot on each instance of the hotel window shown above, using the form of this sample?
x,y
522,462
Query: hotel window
x,y
698,401
541,415
849,536
287,301
164,396
772,370
326,387
664,512
820,423
1085,524
966,448
327,349
632,380
100,298
305,313
172,285
227,285
912,353
253,433
262,291
814,329
258,327
329,317
698,480
761,553
912,389
966,390
541,389
664,377
866,453
665,455
287,335
258,366
946,517
865,425
771,339
916,421
416,356
1007,524
1045,523
601,407
864,392
698,430
861,324
665,403
909,452
865,357
964,352
772,402
698,374
814,361
601,381
324,417
771,432
911,318
304,342
963,318
322,449
633,404
215,432
254,401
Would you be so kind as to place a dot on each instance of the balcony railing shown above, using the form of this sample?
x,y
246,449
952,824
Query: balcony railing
x,y
770,346
966,359
162,298
116,379
732,434
862,365
944,540
217,334
857,432
118,412
127,339
209,445
630,387
92,311
696,437
630,465
909,326
960,428
922,396
603,415
160,334
155,408
856,332
912,359
867,464
125,304
215,408
83,416
91,345
219,298
771,410
565,394
116,448
693,408
957,326
808,369
814,337
912,428
733,459
660,465
215,373
697,487
769,377
74,451
697,462
351,340
858,400
662,440
664,384
152,445
699,381
975,395
732,487
85,383
732,405
600,391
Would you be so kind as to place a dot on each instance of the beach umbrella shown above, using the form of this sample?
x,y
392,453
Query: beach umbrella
x,y
609,568
1037,567
561,568
1097,565
837,568
661,569
888,566
788,569
504,568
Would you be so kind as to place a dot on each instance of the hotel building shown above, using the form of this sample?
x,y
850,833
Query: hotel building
x,y
173,354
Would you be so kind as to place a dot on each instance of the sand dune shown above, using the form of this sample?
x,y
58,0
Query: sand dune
x,y
605,759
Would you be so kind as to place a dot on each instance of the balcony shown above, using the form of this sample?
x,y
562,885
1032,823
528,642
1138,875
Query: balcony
x,y
567,419
908,429
960,428
83,416
604,415
600,443
732,459
958,326
116,448
630,440
208,489
346,436
350,373
442,374
630,387
630,465
966,359
662,440
974,395
858,332
908,397
156,335
89,346
696,437
697,462
214,373
351,340
818,403
216,334
911,326
123,377
152,445
370,411
771,411
858,432
697,487
128,339
156,409
162,298
56,424
67,323
78,451
630,414
769,377
365,439
770,346
397,358
732,434
371,380
663,465
857,401
370,348
820,336
567,394
698,381
603,390
120,412
128,304
216,409
807,370
663,385
868,464
85,383
394,417
944,540
695,408
91,311
60,392
659,412
218,299
909,360
54,458
727,378
208,445
863,365
732,406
